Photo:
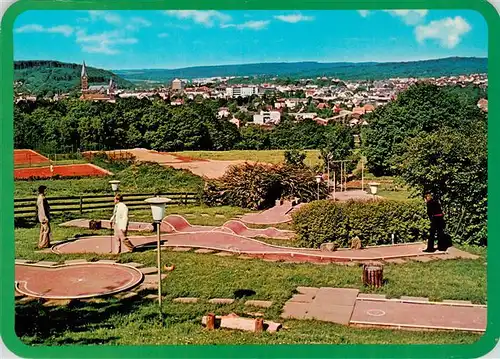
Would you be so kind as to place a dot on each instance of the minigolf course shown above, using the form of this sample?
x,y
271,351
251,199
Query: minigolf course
x,y
75,281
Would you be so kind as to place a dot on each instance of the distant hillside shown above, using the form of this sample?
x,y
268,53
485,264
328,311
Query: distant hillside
x,y
344,70
51,77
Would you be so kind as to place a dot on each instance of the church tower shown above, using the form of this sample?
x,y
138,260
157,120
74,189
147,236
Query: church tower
x,y
111,89
84,78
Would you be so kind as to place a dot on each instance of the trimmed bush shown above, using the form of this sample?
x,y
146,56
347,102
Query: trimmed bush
x,y
257,186
372,222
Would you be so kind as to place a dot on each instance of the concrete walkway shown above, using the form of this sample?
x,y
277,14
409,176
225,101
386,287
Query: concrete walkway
x,y
348,307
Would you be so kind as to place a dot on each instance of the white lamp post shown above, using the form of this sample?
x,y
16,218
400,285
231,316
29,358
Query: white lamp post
x,y
373,188
318,181
158,211
114,185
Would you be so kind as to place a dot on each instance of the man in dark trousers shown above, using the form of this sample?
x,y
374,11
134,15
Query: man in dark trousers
x,y
436,216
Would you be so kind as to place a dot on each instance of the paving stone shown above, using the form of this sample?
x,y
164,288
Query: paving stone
x,y
224,254
295,310
205,215
76,261
310,291
182,249
221,301
93,300
190,215
423,259
340,314
149,270
371,296
185,300
147,286
259,303
126,295
395,261
413,299
135,265
152,278
46,263
204,251
26,300
220,216
244,257
326,297
458,302
151,296
301,298
106,261
56,302
269,260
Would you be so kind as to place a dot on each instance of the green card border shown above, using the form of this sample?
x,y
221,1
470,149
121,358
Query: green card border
x,y
481,347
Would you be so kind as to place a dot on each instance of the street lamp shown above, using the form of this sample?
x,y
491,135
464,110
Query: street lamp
x,y
158,211
373,188
114,185
318,181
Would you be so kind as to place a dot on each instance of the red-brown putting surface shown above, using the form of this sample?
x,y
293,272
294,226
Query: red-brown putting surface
x,y
416,315
75,281
237,244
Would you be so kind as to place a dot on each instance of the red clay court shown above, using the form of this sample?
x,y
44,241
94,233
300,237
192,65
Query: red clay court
x,y
28,157
77,170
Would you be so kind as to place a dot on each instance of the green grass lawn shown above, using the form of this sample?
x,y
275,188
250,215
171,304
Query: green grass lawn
x,y
110,321
269,156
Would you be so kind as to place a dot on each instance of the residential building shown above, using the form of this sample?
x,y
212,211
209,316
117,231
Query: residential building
x,y
267,117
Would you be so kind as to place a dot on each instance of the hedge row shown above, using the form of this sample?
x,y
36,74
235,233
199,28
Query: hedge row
x,y
372,222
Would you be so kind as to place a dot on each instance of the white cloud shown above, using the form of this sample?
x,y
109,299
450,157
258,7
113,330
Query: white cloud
x,y
207,17
163,35
447,32
107,16
65,30
140,21
104,43
410,17
252,25
294,18
363,13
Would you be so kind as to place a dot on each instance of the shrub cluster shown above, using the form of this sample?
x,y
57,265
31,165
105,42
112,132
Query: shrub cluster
x,y
258,186
372,222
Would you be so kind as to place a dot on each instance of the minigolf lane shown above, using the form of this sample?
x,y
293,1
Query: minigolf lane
x,y
75,281
407,315
231,242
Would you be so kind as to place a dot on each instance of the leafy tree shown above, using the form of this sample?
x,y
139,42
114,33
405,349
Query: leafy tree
x,y
453,166
422,108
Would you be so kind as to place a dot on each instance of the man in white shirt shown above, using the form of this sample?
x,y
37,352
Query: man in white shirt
x,y
119,221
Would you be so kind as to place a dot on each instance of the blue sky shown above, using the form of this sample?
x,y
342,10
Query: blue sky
x,y
174,39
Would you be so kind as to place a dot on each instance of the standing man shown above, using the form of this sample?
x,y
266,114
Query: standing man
x,y
43,213
436,216
119,221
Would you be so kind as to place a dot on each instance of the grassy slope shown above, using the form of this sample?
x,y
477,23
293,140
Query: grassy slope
x,y
42,76
209,276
